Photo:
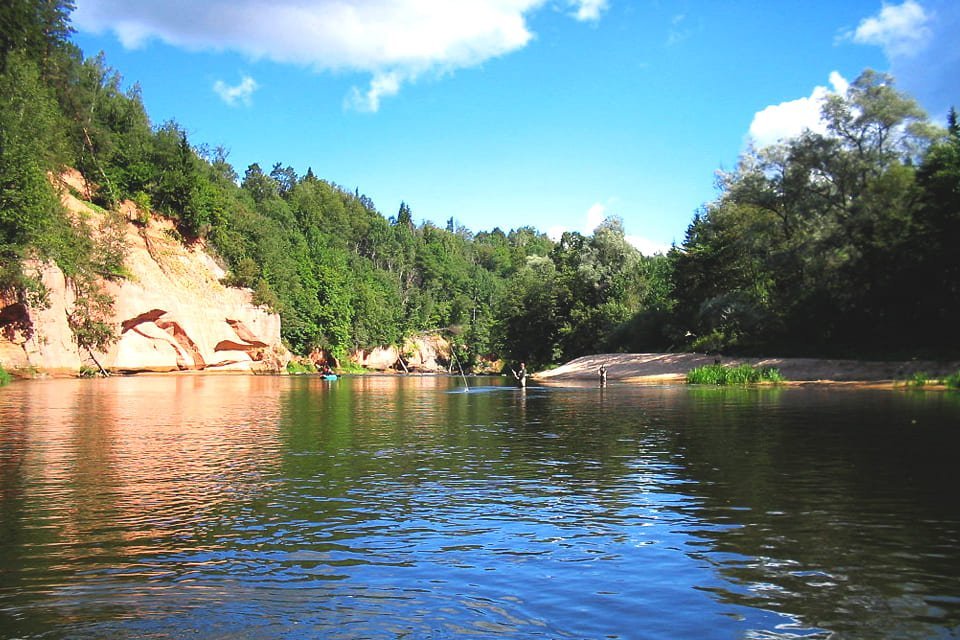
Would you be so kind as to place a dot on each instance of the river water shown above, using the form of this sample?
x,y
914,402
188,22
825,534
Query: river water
x,y
407,507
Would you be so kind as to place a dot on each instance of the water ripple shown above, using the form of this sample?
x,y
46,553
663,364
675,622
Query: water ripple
x,y
384,508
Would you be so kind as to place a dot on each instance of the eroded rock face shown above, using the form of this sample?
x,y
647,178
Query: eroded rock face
x,y
171,314
34,340
427,353
378,359
430,353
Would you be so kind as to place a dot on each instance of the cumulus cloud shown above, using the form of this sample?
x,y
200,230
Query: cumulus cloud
x,y
594,217
789,119
588,10
395,41
241,93
596,214
646,246
902,30
383,85
919,39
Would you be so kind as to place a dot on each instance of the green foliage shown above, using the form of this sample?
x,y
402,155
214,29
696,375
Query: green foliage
x,y
32,221
88,319
87,371
30,130
835,243
918,379
718,374
5,378
952,381
296,367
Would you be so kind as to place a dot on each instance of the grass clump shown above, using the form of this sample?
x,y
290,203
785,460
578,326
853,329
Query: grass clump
x,y
298,367
5,378
718,374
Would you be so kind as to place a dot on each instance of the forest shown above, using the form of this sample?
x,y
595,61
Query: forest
x,y
843,243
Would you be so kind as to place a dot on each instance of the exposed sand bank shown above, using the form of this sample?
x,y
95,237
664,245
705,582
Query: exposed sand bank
x,y
673,367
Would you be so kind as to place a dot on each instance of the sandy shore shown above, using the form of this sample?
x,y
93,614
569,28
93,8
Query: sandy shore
x,y
673,367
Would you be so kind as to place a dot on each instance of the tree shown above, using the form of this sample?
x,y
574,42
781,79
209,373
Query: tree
x,y
285,179
181,190
40,29
31,219
404,216
528,326
937,281
260,186
808,246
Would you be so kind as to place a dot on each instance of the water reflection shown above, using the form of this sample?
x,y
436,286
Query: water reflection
x,y
843,516
384,507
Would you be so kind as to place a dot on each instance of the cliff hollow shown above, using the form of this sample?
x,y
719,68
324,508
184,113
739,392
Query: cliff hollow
x,y
171,312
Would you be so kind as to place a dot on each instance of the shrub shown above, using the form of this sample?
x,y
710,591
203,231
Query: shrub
x,y
772,374
5,377
297,367
952,381
918,379
742,374
708,374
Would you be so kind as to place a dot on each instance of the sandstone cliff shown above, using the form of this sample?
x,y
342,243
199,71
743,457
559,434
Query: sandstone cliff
x,y
170,314
423,354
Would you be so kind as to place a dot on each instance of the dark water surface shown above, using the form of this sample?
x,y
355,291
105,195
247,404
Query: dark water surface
x,y
389,507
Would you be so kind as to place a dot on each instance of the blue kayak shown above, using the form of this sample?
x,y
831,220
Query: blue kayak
x,y
330,376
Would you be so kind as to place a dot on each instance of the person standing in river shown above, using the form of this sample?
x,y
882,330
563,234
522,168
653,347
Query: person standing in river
x,y
602,372
521,375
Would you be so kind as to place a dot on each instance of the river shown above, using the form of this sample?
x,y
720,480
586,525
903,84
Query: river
x,y
408,507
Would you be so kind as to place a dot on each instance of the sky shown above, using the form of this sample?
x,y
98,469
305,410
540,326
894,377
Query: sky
x,y
505,113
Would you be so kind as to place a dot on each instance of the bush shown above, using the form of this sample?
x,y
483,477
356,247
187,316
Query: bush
x,y
298,367
718,374
952,381
5,378
918,379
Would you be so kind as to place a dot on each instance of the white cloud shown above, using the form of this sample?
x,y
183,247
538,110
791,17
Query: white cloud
x,y
595,215
383,85
902,30
919,39
395,41
242,93
588,10
789,119
646,246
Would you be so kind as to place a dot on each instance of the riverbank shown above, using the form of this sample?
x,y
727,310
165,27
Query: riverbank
x,y
673,367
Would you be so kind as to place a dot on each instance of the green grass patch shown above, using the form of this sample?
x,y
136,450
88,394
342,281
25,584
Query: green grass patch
x,y
346,366
5,378
295,367
718,374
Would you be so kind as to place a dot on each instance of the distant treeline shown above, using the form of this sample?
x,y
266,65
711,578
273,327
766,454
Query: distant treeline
x,y
841,243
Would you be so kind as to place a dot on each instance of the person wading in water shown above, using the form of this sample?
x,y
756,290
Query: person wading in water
x,y
521,375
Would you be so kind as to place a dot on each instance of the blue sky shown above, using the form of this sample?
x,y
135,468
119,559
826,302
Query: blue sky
x,y
550,113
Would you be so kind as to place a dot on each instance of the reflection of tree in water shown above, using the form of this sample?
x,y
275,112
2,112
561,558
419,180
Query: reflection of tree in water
x,y
826,506
834,505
